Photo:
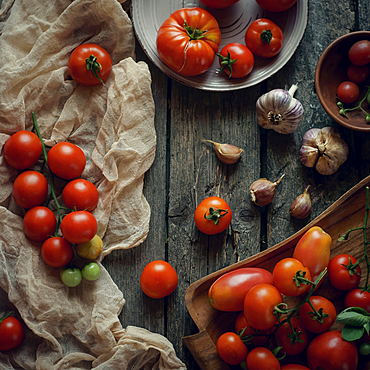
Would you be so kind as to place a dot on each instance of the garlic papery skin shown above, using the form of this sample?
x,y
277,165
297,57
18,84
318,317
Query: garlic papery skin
x,y
279,111
262,191
301,206
324,149
226,153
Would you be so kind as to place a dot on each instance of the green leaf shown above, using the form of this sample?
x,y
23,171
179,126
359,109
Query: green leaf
x,y
351,333
367,327
354,316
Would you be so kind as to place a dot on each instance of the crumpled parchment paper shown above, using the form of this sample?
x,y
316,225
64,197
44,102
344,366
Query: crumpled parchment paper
x,y
77,328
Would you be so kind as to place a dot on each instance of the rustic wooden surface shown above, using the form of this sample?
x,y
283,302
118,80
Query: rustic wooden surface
x,y
185,171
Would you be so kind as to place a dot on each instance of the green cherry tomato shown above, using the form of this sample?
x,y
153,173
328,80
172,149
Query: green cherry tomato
x,y
364,349
91,271
71,277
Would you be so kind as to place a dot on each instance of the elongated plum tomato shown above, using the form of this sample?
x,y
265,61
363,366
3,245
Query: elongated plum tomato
x,y
231,348
188,40
227,293
261,358
219,4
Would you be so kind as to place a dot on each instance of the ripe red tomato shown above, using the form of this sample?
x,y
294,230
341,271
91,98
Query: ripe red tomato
x,y
348,92
79,227
158,279
39,223
236,60
219,4
81,194
57,252
359,53
227,293
330,351
285,277
276,5
89,64
294,367
231,349
357,298
11,332
188,40
264,38
66,160
339,275
261,358
312,322
30,189
212,216
358,74
259,304
22,149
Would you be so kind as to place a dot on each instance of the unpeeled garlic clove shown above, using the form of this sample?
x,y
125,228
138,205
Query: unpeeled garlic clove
x,y
226,153
262,191
301,206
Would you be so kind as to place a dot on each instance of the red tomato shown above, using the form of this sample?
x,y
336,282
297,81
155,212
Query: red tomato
x,y
80,194
79,227
359,53
276,5
188,40
358,74
89,64
286,273
294,367
30,189
348,92
313,250
339,276
39,223
236,60
22,149
227,293
259,304
357,298
330,351
231,349
261,358
219,4
158,279
66,160
264,38
326,311
57,252
212,216
11,333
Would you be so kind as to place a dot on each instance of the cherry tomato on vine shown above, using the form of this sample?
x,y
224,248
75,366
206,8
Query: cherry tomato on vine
x,y
219,4
81,194
339,276
71,277
91,249
212,216
91,271
261,358
294,367
231,349
11,332
276,5
89,64
348,92
57,252
39,223
264,38
158,279
78,227
359,53
364,349
357,298
22,149
358,74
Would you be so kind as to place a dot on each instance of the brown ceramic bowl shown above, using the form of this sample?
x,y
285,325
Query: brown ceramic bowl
x,y
331,70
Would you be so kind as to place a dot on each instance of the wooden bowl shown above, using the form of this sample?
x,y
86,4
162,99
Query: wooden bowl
x,y
331,70
346,213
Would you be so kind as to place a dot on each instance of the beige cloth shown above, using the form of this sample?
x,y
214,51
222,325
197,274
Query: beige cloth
x,y
77,328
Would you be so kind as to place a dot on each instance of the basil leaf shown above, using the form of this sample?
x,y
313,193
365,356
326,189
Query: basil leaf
x,y
367,327
351,333
358,310
353,318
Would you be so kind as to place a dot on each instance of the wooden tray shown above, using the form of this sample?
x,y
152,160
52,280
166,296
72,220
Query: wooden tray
x,y
346,213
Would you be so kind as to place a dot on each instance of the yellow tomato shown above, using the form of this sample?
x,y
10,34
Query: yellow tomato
x,y
91,249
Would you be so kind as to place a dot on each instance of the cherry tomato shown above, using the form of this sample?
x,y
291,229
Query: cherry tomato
x,y
188,40
57,252
71,277
212,216
39,223
30,189
357,298
261,358
91,249
66,160
227,293
259,304
11,332
294,367
219,4
364,349
358,74
276,5
264,38
339,276
81,194
231,349
89,64
286,273
79,227
348,92
22,149
313,250
158,279
330,351
359,53
91,271
236,60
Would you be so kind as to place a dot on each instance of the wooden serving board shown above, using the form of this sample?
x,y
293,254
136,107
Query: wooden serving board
x,y
346,213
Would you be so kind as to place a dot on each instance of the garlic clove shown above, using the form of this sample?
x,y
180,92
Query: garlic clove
x,y
301,206
308,155
262,191
226,153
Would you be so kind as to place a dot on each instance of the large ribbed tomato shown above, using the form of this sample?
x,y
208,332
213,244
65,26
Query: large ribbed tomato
x,y
188,40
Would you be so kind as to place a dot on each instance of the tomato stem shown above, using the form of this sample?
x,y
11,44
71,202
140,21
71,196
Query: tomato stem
x,y
343,111
7,314
195,34
226,62
94,66
215,214
266,36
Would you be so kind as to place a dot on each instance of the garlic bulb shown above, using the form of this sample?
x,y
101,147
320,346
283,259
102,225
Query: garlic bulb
x,y
262,191
324,149
301,206
226,153
278,110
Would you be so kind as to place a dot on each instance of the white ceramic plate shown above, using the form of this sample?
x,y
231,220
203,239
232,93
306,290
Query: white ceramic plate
x,y
148,16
